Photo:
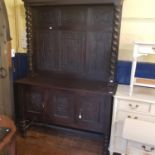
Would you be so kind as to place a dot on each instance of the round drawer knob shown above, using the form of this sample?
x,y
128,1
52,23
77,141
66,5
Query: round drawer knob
x,y
135,117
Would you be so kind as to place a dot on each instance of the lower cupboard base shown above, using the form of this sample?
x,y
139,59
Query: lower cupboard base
x,y
80,109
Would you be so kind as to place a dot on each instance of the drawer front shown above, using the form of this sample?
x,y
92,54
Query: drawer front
x,y
133,106
153,109
122,115
141,148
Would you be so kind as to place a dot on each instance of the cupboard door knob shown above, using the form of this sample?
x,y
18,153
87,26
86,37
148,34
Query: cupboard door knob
x,y
129,116
43,106
50,27
136,106
80,116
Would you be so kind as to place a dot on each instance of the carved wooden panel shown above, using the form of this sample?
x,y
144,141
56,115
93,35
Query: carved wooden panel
x,y
100,18
72,51
75,40
72,17
98,55
44,16
99,40
36,100
89,112
60,108
89,108
47,55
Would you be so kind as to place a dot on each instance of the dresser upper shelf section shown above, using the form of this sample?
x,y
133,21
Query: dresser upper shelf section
x,y
75,37
69,84
72,2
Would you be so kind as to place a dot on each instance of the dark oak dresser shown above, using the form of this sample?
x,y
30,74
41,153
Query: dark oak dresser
x,y
72,50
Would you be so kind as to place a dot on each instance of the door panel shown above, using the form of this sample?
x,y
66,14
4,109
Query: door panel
x,y
37,100
60,107
91,112
72,52
74,40
47,49
35,103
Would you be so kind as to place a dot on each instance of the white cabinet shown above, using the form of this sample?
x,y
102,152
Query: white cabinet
x,y
153,109
140,107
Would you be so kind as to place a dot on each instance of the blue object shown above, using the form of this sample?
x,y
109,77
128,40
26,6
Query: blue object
x,y
20,66
145,70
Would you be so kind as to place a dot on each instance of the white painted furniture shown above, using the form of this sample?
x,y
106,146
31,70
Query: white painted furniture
x,y
132,113
141,49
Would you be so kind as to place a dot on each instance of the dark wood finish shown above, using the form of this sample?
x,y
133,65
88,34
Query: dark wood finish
x,y
60,108
86,36
70,2
35,101
72,48
77,37
91,110
85,110
58,81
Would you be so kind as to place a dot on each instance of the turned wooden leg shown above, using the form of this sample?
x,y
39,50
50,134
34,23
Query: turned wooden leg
x,y
22,128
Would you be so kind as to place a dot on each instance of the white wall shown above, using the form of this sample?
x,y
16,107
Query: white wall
x,y
138,24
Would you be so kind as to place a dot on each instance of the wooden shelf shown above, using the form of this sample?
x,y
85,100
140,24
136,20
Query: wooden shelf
x,y
145,82
70,84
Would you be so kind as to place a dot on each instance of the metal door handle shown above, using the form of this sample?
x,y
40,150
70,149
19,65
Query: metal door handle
x,y
3,72
133,106
148,149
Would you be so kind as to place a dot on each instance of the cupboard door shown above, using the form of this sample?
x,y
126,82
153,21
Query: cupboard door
x,y
36,102
60,107
91,112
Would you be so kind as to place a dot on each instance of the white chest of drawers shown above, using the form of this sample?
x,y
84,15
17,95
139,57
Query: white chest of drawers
x,y
140,106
